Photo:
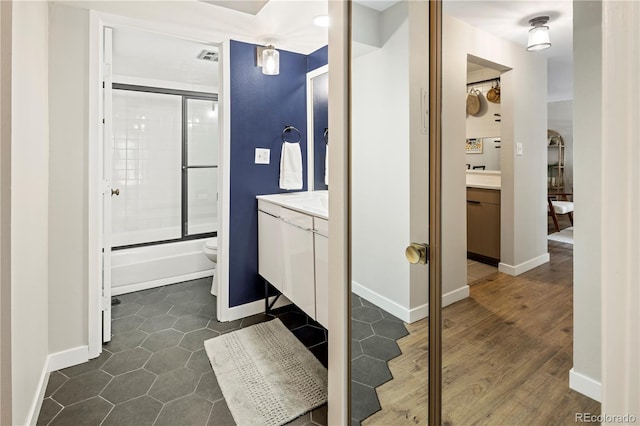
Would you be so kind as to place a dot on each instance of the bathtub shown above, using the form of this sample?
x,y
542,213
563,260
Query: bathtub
x,y
154,266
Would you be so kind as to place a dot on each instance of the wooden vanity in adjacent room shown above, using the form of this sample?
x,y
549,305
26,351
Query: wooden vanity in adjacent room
x,y
483,216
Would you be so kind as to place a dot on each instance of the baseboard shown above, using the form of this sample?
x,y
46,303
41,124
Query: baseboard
x,y
130,288
68,358
36,404
524,266
388,305
585,385
407,315
418,313
253,308
455,295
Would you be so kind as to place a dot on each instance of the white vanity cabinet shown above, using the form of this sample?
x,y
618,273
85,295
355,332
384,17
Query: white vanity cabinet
x,y
321,257
270,249
293,256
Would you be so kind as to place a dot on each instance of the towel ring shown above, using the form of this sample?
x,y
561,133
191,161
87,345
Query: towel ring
x,y
291,129
326,136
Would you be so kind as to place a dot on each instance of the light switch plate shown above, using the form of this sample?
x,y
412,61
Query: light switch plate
x,y
519,148
263,155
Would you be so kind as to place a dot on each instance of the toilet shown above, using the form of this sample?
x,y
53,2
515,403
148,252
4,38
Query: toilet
x,y
210,249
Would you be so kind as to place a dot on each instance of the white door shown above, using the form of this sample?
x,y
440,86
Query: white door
x,y
109,191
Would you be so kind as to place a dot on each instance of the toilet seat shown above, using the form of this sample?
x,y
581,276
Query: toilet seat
x,y
211,243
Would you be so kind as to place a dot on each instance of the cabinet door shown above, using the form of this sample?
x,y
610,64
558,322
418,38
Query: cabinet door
x,y
270,248
322,279
483,229
298,280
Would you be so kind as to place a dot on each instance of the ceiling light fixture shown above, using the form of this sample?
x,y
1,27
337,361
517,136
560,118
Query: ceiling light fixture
x,y
321,21
539,34
269,59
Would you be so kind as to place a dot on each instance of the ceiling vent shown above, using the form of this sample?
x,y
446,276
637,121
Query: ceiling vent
x,y
208,55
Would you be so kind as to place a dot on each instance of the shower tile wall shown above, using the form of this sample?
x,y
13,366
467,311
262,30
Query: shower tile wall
x,y
146,167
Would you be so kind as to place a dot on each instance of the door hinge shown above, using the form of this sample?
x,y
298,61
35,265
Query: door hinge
x,y
105,303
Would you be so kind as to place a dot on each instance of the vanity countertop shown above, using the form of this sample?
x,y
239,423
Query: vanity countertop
x,y
484,179
314,203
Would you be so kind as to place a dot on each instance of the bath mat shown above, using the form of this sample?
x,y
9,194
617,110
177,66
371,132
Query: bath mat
x,y
564,236
266,374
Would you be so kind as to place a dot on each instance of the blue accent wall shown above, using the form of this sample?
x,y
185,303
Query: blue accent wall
x,y
318,58
261,106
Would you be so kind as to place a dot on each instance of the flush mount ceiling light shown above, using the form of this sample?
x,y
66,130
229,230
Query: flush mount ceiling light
x,y
269,59
321,21
539,34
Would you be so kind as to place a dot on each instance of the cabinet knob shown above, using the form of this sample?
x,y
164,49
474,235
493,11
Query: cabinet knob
x,y
115,191
417,253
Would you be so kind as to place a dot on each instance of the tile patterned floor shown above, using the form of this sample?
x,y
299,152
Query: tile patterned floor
x,y
374,333
155,370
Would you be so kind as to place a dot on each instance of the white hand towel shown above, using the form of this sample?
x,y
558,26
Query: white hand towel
x,y
291,166
326,165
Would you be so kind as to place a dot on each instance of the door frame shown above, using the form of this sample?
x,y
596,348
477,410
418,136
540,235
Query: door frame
x,y
95,220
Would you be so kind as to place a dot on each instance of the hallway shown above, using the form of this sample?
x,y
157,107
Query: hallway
x,y
507,351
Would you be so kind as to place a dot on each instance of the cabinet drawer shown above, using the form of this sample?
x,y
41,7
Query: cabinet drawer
x,y
479,195
298,219
321,226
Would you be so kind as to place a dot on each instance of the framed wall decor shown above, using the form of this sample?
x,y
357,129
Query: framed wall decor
x,y
474,146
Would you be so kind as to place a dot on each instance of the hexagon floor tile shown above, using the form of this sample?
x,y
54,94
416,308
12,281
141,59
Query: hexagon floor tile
x,y
168,378
374,332
154,370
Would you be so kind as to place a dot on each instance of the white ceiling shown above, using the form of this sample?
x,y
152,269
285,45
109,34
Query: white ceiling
x,y
509,20
288,24
151,56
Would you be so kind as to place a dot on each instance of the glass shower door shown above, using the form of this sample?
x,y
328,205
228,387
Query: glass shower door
x,y
201,167
146,167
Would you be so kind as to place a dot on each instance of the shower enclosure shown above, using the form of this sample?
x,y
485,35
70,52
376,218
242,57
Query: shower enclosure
x,y
164,170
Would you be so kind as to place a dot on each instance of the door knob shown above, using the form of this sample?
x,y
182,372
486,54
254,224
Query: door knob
x,y
115,191
417,253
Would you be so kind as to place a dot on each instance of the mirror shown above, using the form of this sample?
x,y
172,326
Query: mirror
x,y
317,128
389,210
483,153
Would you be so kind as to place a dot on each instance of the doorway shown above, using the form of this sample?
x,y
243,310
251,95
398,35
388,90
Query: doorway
x,y
158,163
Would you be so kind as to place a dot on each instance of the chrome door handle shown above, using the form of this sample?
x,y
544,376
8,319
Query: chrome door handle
x,y
115,191
417,253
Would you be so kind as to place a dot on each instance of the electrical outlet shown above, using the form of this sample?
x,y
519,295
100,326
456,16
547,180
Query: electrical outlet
x,y
263,155
519,148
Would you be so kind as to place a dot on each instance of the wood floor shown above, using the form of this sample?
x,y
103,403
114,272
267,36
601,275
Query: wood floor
x,y
507,352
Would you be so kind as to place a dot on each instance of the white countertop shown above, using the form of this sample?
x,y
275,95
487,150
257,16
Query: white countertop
x,y
314,203
484,179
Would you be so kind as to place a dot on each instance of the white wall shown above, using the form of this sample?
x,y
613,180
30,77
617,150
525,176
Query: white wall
x,y
5,212
560,119
380,155
524,120
588,190
390,162
621,208
29,207
419,150
68,185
